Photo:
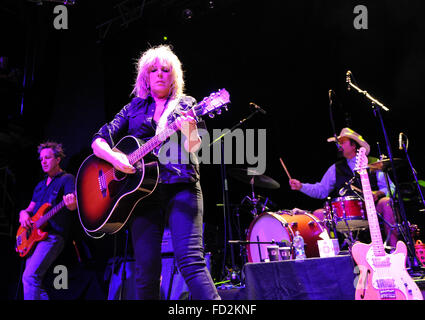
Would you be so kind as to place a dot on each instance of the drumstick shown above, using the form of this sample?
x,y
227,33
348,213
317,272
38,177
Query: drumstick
x,y
286,170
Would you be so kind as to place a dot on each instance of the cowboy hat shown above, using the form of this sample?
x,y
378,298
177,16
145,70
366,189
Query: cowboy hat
x,y
348,133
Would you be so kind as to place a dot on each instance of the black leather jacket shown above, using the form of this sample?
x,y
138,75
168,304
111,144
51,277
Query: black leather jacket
x,y
136,119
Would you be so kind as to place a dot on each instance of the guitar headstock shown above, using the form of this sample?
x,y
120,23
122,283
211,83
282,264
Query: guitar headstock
x,y
215,102
361,161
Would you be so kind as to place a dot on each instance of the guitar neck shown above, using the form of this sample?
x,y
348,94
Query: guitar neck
x,y
209,104
375,231
50,214
152,143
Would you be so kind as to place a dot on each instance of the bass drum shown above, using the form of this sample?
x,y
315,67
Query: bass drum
x,y
279,226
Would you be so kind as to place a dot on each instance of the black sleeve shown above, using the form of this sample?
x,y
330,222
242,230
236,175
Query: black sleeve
x,y
116,129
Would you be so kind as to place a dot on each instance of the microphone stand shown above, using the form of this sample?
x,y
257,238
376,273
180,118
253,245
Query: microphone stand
x,y
225,192
413,261
332,120
414,174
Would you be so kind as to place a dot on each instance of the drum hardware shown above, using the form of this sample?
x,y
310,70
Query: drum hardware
x,y
385,164
345,215
251,177
404,146
259,249
248,176
252,203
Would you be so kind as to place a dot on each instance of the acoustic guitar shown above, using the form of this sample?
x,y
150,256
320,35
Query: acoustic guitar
x,y
106,197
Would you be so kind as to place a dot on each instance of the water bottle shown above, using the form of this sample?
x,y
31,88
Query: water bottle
x,y
298,244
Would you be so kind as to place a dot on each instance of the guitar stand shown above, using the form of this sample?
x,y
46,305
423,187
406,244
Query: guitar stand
x,y
173,273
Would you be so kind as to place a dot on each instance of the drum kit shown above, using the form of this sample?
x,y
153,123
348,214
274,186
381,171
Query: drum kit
x,y
341,216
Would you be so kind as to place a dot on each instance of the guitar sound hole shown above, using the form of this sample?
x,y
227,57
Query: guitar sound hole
x,y
118,175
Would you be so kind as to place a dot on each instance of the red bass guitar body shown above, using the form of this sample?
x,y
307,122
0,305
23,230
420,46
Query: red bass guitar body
x,y
26,239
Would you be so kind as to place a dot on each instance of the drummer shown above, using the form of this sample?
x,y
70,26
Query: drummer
x,y
334,182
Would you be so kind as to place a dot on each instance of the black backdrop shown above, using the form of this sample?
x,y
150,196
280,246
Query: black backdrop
x,y
284,56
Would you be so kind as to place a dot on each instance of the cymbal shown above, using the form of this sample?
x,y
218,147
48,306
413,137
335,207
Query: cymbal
x,y
249,176
385,164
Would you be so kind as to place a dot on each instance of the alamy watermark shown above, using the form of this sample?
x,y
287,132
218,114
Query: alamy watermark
x,y
60,282
245,147
361,19
61,20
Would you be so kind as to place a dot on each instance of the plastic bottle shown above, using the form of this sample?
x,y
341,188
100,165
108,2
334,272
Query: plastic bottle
x,y
298,244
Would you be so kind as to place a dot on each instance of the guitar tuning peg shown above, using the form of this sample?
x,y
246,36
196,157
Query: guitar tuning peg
x,y
226,108
218,111
211,115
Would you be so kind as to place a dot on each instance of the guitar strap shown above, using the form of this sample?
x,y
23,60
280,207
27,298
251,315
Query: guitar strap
x,y
163,120
171,106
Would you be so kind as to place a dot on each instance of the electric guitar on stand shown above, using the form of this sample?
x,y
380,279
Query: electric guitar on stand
x,y
382,276
106,197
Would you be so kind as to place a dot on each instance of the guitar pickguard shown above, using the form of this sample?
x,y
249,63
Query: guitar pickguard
x,y
389,274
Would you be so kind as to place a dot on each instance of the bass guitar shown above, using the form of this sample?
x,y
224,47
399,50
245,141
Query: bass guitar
x,y
27,238
106,197
382,276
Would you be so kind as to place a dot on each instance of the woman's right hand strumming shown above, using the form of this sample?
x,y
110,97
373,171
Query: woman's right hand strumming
x,y
121,163
119,160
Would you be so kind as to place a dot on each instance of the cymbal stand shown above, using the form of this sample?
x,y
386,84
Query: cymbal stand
x,y
225,191
377,106
414,173
253,200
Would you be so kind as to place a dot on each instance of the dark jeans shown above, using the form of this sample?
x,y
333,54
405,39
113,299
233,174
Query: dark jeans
x,y
37,264
182,205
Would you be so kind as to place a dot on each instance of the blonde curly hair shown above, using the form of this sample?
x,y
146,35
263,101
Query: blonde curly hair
x,y
165,55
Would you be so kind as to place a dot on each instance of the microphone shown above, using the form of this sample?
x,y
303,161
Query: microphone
x,y
330,96
338,145
348,79
258,107
349,186
403,144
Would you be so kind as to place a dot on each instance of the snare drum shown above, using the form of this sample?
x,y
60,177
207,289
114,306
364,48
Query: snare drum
x,y
279,226
349,213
